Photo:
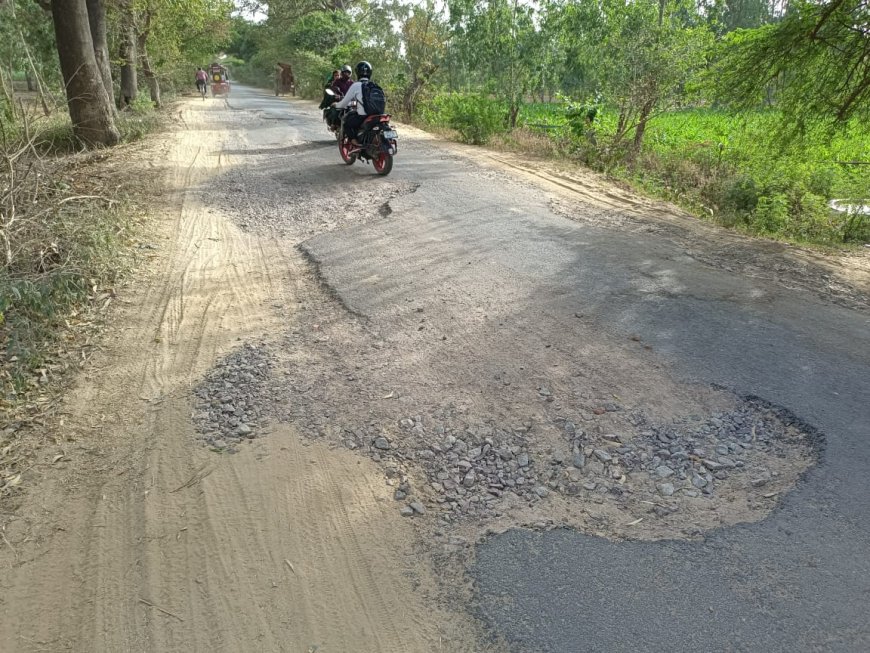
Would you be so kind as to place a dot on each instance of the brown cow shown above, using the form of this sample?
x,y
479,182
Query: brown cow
x,y
284,80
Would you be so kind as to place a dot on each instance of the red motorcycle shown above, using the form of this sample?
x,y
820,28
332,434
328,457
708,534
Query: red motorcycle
x,y
377,140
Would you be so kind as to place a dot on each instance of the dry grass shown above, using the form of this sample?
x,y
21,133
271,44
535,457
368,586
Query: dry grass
x,y
68,227
526,141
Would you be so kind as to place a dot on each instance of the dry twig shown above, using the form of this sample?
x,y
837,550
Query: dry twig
x,y
157,607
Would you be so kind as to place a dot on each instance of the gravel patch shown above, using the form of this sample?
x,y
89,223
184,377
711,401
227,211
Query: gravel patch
x,y
291,203
235,398
470,470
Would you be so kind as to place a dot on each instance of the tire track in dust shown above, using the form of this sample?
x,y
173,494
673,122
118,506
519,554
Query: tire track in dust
x,y
378,616
221,284
159,521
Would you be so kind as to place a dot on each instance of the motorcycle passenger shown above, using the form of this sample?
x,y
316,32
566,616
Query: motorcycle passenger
x,y
340,88
201,79
327,101
354,120
344,82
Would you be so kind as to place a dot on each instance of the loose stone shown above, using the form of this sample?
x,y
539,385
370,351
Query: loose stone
x,y
603,456
541,491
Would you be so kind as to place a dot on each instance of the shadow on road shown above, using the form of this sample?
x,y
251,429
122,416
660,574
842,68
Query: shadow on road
x,y
296,148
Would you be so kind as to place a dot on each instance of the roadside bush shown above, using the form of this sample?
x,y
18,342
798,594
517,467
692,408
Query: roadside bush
x,y
60,238
740,195
812,219
475,117
771,214
856,227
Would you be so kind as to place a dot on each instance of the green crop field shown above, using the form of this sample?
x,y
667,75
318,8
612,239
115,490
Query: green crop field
x,y
735,168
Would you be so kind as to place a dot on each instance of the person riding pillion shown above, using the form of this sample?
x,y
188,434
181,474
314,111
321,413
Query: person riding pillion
x,y
353,121
341,85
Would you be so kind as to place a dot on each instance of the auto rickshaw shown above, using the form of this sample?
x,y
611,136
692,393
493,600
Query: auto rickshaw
x,y
220,84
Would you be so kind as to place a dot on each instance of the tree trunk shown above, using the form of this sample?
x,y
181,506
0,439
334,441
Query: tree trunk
x,y
150,76
89,106
97,22
640,130
410,98
512,115
147,70
7,95
29,78
621,125
127,55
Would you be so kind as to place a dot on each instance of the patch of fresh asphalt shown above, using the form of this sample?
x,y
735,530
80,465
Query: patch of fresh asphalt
x,y
796,581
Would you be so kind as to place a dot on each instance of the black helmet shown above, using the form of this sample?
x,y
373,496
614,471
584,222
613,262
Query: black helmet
x,y
363,69
346,69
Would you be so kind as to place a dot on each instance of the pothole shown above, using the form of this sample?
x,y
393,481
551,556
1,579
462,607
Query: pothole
x,y
605,468
719,469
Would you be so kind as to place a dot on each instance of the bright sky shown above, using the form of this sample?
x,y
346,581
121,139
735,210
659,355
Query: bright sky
x,y
258,15
254,15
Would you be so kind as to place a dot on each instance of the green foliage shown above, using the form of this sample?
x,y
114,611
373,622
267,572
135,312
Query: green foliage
x,y
500,48
736,167
182,35
740,195
476,118
770,215
813,64
27,41
638,57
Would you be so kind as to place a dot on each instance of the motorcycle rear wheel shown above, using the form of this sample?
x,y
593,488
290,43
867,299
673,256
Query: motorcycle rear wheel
x,y
344,147
383,163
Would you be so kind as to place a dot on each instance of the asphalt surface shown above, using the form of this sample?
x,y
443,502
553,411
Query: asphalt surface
x,y
798,580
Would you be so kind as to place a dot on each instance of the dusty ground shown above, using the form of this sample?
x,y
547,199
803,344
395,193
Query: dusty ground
x,y
138,539
155,523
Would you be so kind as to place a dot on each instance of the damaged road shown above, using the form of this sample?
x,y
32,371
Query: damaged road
x,y
452,409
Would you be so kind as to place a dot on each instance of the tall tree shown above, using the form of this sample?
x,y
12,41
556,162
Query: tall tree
x,y
97,22
89,105
127,56
424,37
501,45
637,56
145,59
817,59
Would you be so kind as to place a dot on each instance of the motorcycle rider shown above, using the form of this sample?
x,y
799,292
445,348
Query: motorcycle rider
x,y
354,120
326,102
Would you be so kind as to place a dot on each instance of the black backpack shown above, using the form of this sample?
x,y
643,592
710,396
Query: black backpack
x,y
374,100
